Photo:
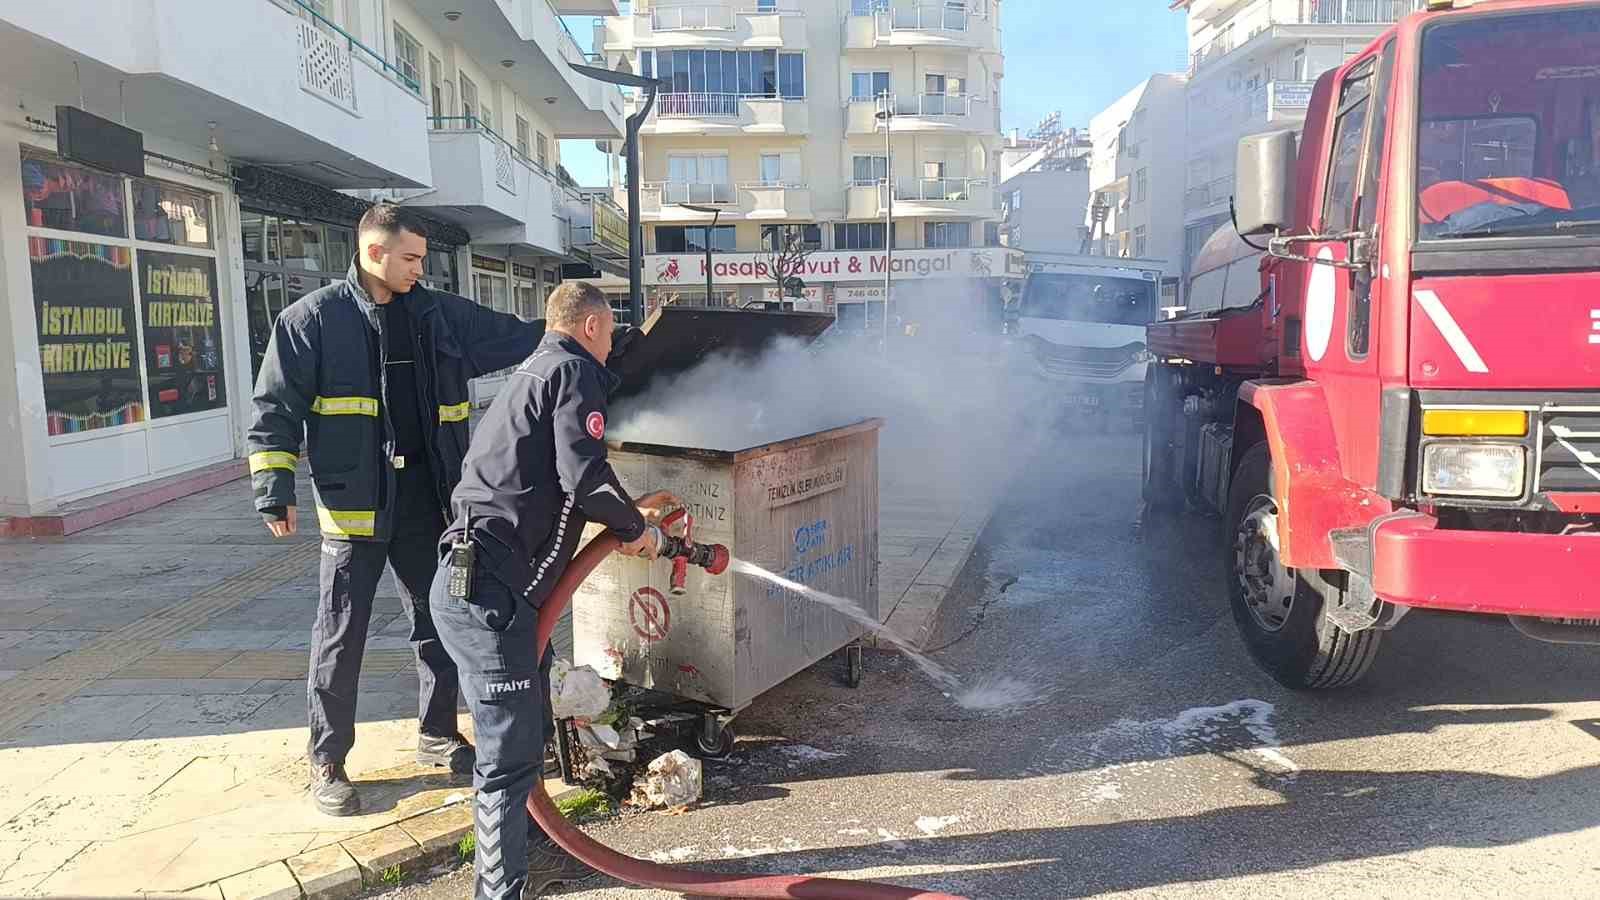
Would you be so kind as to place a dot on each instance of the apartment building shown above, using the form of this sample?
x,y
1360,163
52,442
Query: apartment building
x,y
1252,66
802,120
1044,187
143,260
1136,176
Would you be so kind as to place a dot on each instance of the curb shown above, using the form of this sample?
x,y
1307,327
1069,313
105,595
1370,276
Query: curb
x,y
384,857
917,616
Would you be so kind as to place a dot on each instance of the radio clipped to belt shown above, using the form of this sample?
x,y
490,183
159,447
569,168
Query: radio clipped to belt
x,y
463,555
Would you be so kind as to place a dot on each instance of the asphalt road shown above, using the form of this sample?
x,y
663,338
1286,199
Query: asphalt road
x,y
1159,761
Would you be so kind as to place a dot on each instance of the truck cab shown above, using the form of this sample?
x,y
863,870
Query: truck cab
x,y
1407,414
1078,326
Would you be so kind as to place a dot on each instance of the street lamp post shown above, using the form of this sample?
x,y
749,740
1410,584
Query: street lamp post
x,y
631,150
716,212
886,116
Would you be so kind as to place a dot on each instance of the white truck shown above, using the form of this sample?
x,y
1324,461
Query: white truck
x,y
1079,327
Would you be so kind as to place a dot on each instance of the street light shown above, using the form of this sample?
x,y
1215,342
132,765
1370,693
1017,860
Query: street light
x,y
631,150
716,212
886,116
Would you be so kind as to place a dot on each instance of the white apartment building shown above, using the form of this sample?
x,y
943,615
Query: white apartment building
x,y
1136,174
1252,66
770,117
139,288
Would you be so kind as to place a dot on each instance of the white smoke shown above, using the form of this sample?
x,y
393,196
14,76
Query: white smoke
x,y
957,417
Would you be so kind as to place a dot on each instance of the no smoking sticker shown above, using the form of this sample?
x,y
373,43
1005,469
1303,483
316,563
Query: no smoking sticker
x,y
648,612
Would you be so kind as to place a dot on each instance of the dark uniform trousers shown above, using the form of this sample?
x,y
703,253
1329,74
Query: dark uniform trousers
x,y
505,684
350,573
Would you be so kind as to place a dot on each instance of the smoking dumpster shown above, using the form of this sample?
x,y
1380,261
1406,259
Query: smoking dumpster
x,y
805,507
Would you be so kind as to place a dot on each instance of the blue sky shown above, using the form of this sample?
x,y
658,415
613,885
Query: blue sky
x,y
1073,55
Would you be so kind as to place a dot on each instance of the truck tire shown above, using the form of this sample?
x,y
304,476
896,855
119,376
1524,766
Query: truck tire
x,y
1161,491
1278,609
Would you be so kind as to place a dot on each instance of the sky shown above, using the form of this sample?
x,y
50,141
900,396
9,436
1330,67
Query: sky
x,y
1077,56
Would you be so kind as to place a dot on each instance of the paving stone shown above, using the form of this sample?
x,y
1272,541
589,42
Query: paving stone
x,y
25,863
378,851
177,664
269,882
327,873
108,687
440,831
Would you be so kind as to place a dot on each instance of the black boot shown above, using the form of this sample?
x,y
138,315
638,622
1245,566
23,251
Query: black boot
x,y
548,866
453,752
331,790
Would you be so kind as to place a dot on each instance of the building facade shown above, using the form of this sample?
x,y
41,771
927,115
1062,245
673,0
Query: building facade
x,y
1044,188
799,123
1136,177
138,295
1252,66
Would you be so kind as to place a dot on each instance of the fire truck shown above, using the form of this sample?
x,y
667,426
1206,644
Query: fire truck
x,y
1405,411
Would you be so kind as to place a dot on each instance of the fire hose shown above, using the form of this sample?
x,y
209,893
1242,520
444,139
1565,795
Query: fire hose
x,y
638,872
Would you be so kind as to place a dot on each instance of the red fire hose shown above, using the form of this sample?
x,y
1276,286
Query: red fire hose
x,y
646,874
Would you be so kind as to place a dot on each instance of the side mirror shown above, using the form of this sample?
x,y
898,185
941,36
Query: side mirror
x,y
1264,191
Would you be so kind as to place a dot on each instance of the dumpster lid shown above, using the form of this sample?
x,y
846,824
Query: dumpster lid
x,y
675,338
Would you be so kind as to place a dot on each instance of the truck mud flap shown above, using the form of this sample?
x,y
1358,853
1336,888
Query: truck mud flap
x,y
1558,631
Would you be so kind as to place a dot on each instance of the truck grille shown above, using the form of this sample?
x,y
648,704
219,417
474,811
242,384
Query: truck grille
x,y
1103,363
1569,452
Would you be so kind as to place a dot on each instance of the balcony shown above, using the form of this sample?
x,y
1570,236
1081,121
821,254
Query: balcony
x,y
923,113
917,197
585,7
713,114
775,200
1266,20
531,35
1215,192
281,87
718,25
661,201
487,187
872,25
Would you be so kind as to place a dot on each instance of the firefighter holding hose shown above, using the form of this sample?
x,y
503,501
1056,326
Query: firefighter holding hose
x,y
535,475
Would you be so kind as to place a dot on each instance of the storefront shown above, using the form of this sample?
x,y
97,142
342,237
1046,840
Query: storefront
x,y
129,339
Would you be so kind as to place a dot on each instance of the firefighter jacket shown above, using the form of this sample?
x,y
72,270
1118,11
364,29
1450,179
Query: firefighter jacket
x,y
322,380
537,472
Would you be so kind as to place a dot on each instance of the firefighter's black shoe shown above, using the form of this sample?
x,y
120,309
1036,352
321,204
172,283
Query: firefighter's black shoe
x,y
548,866
331,791
451,752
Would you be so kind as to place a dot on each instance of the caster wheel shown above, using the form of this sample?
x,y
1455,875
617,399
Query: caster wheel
x,y
853,668
719,748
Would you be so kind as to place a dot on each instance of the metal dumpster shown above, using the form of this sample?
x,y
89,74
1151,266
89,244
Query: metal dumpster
x,y
806,508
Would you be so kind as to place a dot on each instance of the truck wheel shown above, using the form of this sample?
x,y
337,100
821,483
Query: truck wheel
x,y
1279,609
1161,491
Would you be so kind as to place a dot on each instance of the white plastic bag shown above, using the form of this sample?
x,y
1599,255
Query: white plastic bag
x,y
673,779
577,693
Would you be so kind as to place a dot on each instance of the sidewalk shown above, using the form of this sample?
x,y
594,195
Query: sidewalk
x,y
153,706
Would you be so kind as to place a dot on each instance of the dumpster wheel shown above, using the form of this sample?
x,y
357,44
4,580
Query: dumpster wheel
x,y
713,740
854,669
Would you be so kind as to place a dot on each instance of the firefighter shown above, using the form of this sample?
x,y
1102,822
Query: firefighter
x,y
372,373
535,476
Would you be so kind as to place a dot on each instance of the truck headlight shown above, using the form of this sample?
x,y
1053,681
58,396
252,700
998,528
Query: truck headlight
x,y
1474,470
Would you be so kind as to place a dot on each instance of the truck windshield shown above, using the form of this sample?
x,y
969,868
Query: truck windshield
x,y
1088,298
1509,141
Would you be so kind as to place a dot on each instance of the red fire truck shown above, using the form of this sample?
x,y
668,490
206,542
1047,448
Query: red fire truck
x,y
1407,413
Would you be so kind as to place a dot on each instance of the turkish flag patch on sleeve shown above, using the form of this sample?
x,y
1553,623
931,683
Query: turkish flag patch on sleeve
x,y
595,425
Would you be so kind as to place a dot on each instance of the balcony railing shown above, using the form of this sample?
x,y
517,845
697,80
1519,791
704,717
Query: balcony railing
x,y
688,18
1214,191
933,105
698,106
937,189
1257,17
678,192
922,18
505,154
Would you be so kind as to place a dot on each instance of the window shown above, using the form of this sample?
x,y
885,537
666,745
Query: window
x,y
943,235
1358,337
771,168
869,170
165,214
868,85
792,76
1016,199
861,235
692,239
522,139
469,98
1338,210
542,145
773,237
1141,186
1141,244
952,85
487,117
766,5
868,7
436,101
709,170
408,56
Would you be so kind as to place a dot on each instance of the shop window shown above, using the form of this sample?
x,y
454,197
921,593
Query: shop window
x,y
87,333
67,198
303,247
164,214
182,333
